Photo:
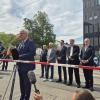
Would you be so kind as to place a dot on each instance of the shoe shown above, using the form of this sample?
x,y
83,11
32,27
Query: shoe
x,y
59,81
78,86
50,80
45,79
69,84
91,89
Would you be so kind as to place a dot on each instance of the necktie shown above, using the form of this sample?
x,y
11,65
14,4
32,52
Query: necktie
x,y
21,45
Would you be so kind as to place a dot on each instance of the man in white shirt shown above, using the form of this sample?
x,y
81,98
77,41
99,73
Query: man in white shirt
x,y
51,58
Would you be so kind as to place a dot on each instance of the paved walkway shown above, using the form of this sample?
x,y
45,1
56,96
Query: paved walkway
x,y
49,90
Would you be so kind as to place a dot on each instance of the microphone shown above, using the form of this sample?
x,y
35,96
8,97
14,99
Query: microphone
x,y
32,78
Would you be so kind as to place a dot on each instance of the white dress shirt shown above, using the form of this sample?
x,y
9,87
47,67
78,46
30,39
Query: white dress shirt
x,y
71,50
49,52
86,48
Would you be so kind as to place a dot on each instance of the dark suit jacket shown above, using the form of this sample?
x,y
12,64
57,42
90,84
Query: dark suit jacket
x,y
43,56
26,52
75,55
62,55
88,55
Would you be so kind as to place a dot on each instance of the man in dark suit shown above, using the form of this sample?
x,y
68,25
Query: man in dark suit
x,y
87,55
73,58
43,58
26,51
61,58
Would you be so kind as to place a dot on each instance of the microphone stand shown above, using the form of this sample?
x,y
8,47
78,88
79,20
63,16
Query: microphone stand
x,y
13,82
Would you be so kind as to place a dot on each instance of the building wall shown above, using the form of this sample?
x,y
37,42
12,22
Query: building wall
x,y
91,19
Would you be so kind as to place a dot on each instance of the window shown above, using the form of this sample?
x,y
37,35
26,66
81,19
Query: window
x,y
95,28
99,40
91,39
86,29
99,27
90,28
98,2
96,41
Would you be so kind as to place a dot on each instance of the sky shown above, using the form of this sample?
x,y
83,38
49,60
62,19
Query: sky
x,y
65,15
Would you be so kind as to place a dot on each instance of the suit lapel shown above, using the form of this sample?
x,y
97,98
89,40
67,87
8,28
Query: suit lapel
x,y
68,53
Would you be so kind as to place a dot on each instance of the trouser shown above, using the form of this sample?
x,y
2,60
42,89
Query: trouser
x,y
60,73
43,70
5,65
52,71
77,76
25,85
88,74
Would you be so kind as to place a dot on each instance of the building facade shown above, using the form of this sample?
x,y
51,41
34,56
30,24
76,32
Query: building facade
x,y
91,22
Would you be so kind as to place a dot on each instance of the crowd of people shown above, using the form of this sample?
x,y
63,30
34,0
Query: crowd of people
x,y
68,54
65,54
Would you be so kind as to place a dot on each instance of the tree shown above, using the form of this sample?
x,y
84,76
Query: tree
x,y
40,29
6,38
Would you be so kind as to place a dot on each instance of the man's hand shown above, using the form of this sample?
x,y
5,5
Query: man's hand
x,y
70,58
37,96
84,61
48,60
59,58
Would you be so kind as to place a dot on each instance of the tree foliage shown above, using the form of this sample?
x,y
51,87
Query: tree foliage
x,y
6,38
40,29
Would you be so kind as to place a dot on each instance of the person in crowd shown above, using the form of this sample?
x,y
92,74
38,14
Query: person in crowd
x,y
86,56
1,49
82,95
73,59
96,61
61,58
51,58
26,50
5,63
43,58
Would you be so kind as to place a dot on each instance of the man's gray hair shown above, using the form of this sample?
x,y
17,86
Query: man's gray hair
x,y
25,30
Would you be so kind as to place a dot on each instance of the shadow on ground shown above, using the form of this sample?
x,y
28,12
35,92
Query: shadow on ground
x,y
5,73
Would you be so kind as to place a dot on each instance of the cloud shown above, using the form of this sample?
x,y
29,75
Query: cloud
x,y
65,15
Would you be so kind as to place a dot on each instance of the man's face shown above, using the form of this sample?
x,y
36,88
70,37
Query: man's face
x,y
44,46
61,43
86,41
71,42
22,35
50,46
